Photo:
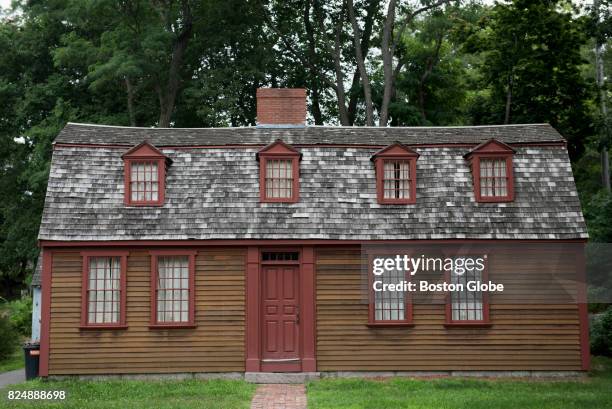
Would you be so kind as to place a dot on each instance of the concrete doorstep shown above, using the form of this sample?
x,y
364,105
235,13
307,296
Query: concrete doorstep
x,y
281,378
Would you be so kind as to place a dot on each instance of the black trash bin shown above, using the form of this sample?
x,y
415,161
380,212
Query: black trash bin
x,y
32,356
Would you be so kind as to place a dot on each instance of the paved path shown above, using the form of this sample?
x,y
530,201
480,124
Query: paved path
x,y
11,377
279,397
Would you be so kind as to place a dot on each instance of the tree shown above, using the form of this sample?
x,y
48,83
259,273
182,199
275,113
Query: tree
x,y
531,64
433,86
600,25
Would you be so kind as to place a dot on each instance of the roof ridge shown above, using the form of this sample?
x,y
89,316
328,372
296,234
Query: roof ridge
x,y
316,126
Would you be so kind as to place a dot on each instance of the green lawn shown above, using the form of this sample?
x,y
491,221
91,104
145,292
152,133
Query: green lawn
x,y
16,361
124,394
453,393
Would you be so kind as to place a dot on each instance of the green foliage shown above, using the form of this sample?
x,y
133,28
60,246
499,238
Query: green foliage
x,y
598,212
13,362
109,62
531,58
20,315
601,335
9,338
434,86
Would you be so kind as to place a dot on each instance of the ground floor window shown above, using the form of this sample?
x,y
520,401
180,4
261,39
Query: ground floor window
x,y
103,289
173,289
467,306
389,307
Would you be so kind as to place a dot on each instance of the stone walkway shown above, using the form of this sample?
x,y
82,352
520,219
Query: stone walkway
x,y
279,396
11,377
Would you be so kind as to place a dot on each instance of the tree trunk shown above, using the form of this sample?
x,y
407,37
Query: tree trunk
x,y
314,85
388,47
600,79
367,91
342,112
130,100
168,93
387,57
509,97
366,36
432,61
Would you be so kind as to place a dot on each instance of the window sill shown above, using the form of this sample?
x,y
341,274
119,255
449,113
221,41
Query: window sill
x,y
468,324
102,327
152,204
494,200
278,201
402,202
172,326
390,324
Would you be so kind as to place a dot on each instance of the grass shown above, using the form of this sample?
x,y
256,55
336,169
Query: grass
x,y
15,361
124,394
593,392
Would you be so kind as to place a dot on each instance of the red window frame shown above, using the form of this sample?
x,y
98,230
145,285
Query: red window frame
x,y
144,153
155,254
85,288
395,153
509,196
492,149
279,151
408,307
485,321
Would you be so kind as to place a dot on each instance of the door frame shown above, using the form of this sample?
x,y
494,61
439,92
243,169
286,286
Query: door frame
x,y
253,344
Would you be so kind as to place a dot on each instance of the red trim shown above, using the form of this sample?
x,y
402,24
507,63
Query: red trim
x,y
302,145
486,320
389,324
172,326
143,149
97,327
468,324
491,149
281,242
84,284
144,152
475,164
585,350
408,307
154,324
278,147
252,336
380,182
491,146
161,177
308,309
253,361
45,324
279,151
393,153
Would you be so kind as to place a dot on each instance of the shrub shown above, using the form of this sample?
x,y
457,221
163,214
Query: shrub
x,y
9,338
601,334
20,313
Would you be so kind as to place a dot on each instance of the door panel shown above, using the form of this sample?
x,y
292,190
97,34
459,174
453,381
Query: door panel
x,y
280,312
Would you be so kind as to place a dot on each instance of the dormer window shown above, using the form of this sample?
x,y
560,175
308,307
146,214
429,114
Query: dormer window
x,y
491,164
395,168
145,173
279,174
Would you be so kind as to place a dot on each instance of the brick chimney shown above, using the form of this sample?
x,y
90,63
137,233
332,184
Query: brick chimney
x,y
281,106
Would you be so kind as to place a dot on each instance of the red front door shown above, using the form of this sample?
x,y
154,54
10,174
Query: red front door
x,y
281,314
